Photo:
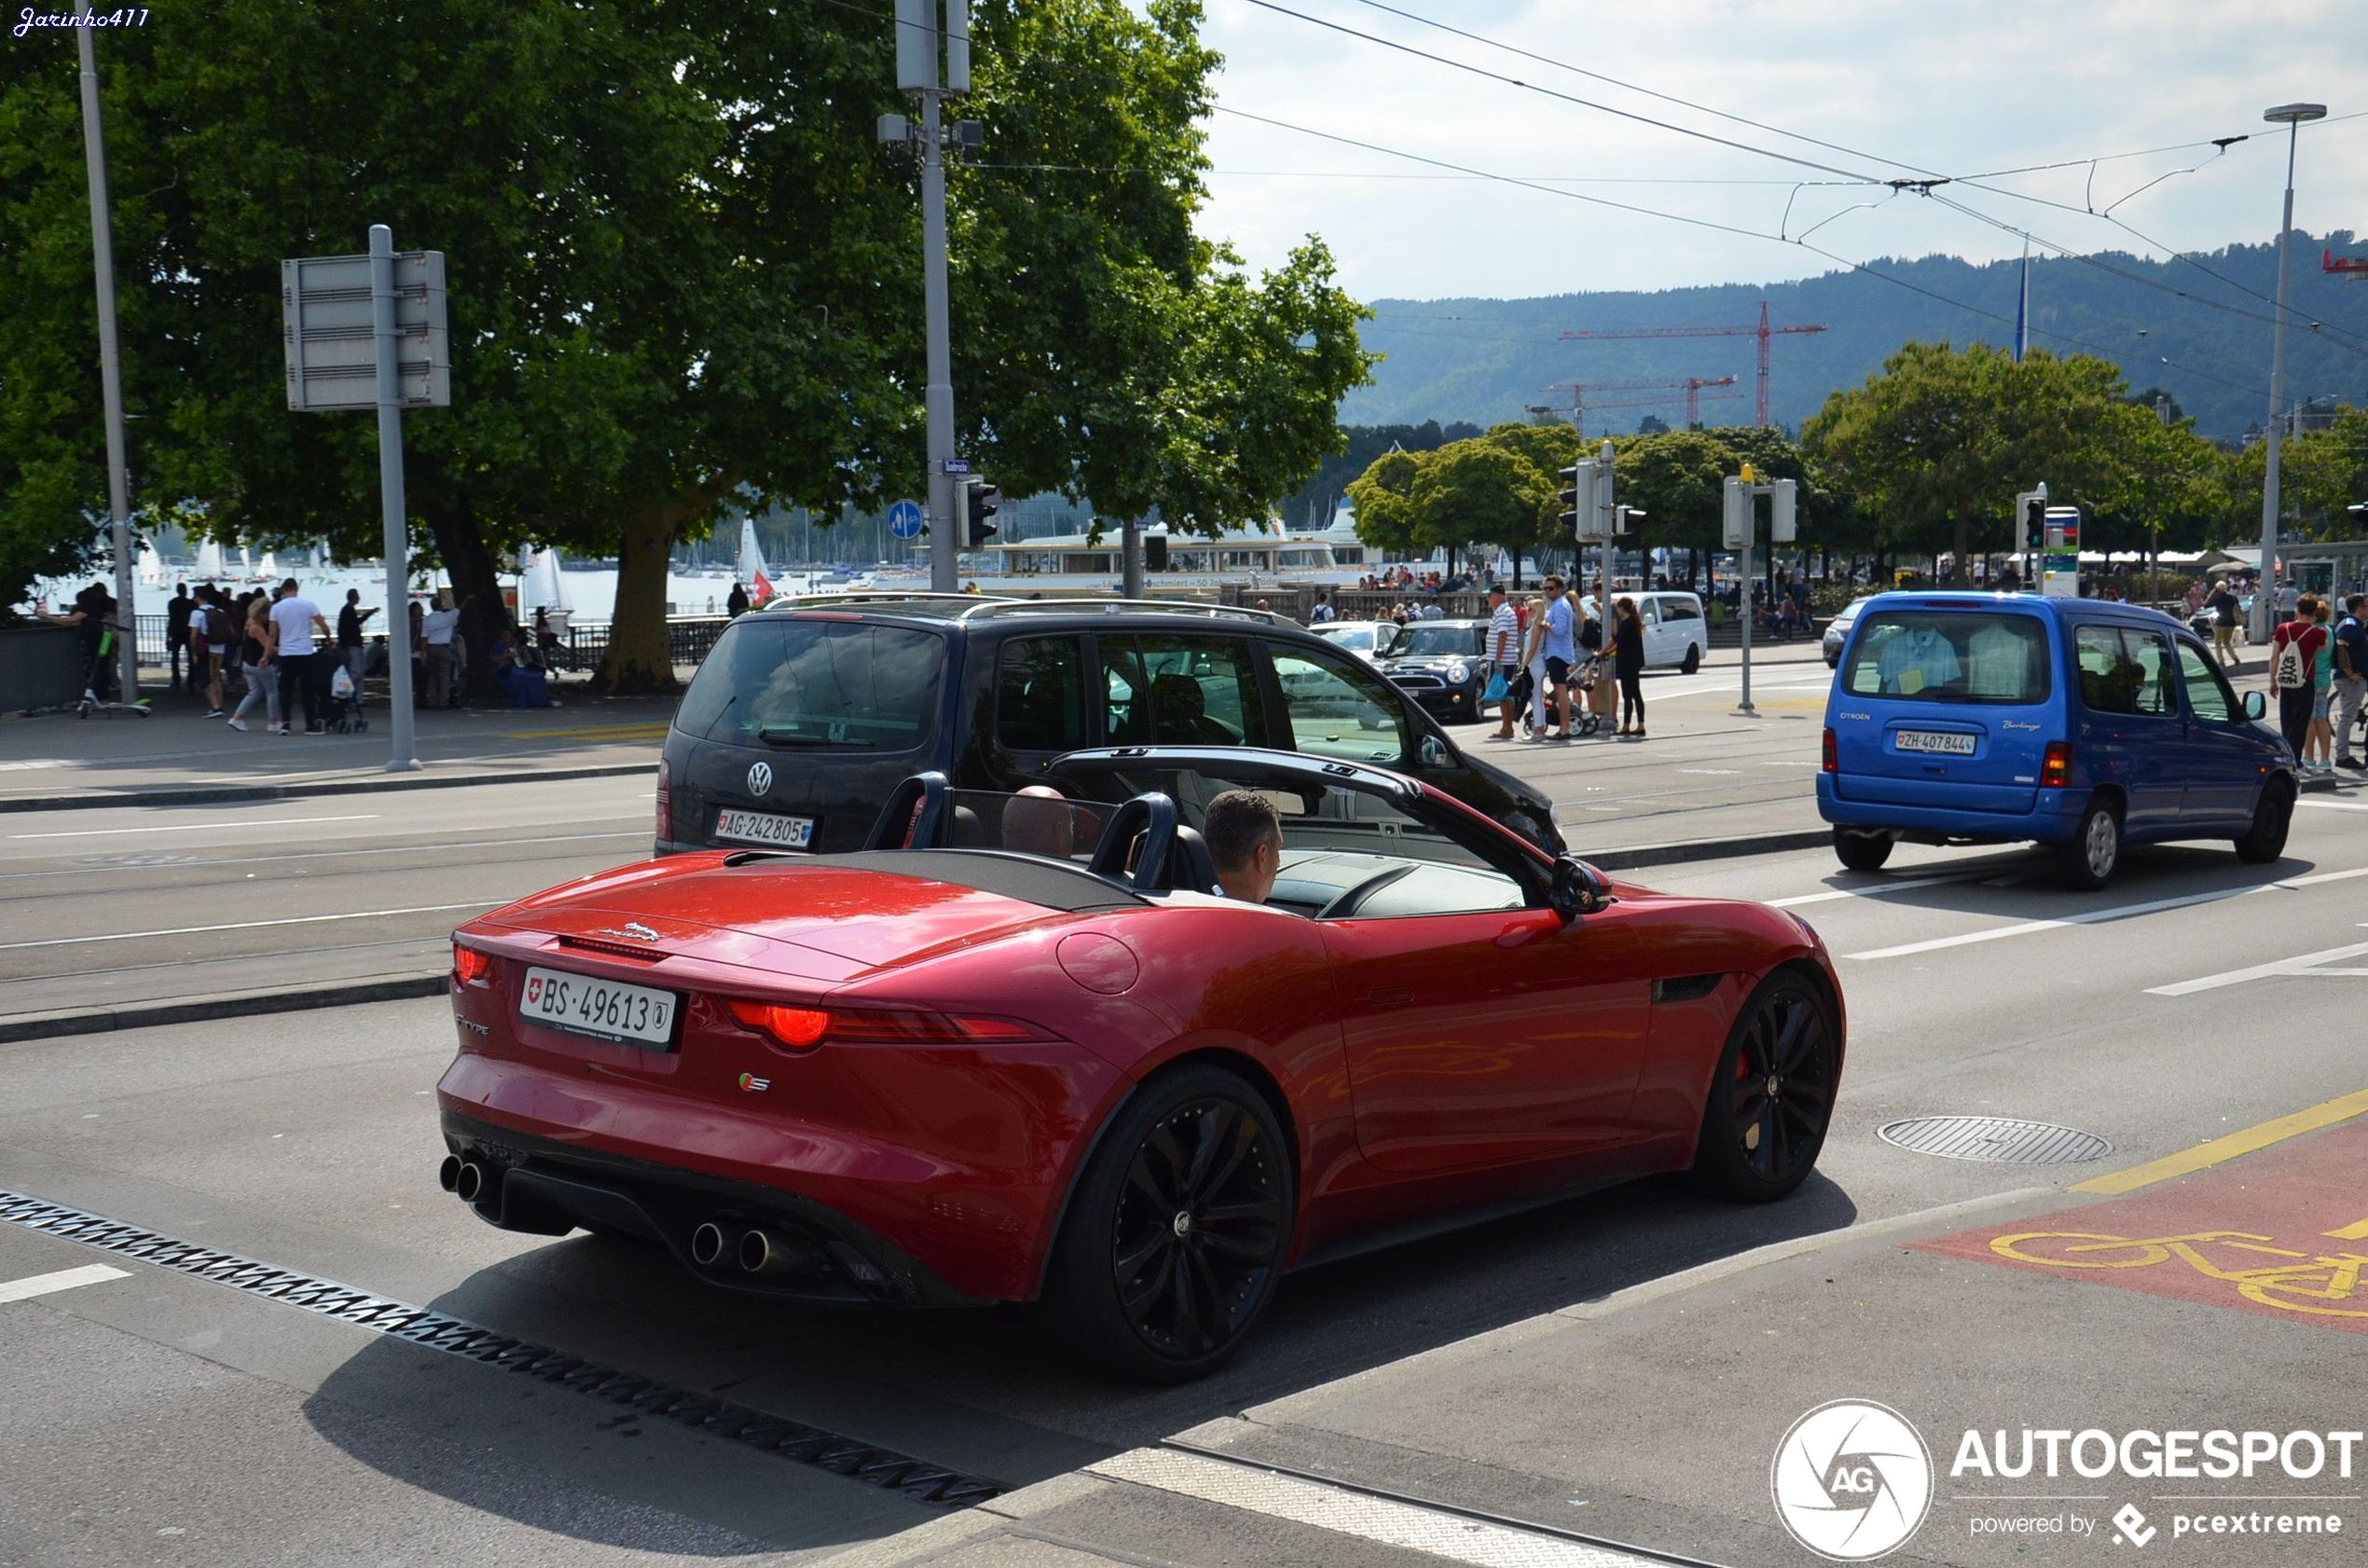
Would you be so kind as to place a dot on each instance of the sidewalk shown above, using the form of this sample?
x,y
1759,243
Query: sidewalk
x,y
177,757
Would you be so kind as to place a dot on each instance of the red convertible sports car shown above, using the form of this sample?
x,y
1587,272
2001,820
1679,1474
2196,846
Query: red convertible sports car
x,y
1028,1048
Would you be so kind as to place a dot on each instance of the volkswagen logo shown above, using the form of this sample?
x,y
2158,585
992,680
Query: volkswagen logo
x,y
760,779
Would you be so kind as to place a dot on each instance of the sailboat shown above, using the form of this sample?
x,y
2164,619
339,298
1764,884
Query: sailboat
x,y
270,570
151,564
751,573
542,581
210,560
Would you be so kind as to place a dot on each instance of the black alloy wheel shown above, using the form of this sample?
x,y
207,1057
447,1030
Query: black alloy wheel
x,y
1772,1097
2273,816
1176,1235
1859,851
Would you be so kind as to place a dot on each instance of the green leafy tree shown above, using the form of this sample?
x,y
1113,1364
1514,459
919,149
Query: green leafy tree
x,y
1481,492
2321,474
1383,497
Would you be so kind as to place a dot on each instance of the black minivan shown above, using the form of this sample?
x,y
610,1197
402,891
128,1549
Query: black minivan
x,y
807,713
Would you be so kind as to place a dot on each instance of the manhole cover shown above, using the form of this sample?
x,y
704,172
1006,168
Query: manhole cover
x,y
2000,1138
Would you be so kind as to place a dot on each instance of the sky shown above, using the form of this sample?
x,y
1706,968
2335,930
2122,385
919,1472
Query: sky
x,y
1959,89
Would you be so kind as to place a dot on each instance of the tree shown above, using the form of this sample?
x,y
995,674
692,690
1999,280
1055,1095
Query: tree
x,y
2321,474
1652,424
1383,496
1482,492
1937,443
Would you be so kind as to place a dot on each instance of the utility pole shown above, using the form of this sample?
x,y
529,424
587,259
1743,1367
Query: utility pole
x,y
94,147
2291,117
919,43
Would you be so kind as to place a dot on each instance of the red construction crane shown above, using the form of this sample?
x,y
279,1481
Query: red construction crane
x,y
2356,267
1690,385
1763,332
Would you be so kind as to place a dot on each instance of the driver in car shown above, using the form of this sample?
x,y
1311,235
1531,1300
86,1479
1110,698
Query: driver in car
x,y
1244,836
1036,822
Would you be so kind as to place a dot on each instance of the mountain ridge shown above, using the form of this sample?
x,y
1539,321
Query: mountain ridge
x,y
1486,360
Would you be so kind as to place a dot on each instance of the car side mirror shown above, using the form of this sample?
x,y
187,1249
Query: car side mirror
x,y
1578,889
2255,705
1433,752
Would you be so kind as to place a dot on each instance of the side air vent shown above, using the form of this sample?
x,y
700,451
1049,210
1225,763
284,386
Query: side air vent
x,y
1686,988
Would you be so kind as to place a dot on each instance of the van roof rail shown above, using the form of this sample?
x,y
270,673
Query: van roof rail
x,y
1125,607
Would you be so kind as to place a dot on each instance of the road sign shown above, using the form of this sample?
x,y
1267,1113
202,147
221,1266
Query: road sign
x,y
905,519
954,465
327,329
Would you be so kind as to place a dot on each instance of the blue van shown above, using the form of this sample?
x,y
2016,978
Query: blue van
x,y
1961,717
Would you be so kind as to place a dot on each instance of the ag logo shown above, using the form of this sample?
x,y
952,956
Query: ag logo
x,y
1851,1480
760,777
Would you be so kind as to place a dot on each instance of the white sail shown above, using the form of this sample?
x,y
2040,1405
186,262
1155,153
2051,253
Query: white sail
x,y
151,564
558,577
270,570
209,559
542,582
753,574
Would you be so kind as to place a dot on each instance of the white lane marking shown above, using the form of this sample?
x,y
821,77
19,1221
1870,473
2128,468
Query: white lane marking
x,y
64,1279
1378,1520
249,925
2099,917
2302,964
1872,890
195,862
33,763
2334,805
215,825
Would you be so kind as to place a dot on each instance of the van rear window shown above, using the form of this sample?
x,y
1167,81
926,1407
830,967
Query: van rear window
x,y
1939,656
778,680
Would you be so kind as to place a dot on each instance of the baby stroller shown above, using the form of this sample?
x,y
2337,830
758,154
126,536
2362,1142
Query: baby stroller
x,y
345,715
1596,694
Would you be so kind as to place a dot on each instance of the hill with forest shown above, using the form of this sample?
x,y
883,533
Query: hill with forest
x,y
1487,360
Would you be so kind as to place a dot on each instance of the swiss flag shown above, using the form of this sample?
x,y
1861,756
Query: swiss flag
x,y
533,990
764,586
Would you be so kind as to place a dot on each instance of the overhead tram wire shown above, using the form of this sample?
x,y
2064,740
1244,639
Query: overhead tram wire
x,y
2114,356
1923,187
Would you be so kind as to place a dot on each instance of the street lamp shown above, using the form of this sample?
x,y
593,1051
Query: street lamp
x,y
2291,115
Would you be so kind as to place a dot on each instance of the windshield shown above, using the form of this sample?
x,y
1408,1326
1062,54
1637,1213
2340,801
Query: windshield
x,y
1437,641
1356,639
1937,656
782,681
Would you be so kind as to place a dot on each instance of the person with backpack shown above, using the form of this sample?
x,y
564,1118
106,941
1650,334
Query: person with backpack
x,y
209,630
2295,648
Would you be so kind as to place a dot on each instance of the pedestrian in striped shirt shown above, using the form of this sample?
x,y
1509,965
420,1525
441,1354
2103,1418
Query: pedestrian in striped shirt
x,y
1504,652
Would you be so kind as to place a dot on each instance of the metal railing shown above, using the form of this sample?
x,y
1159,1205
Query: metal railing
x,y
689,638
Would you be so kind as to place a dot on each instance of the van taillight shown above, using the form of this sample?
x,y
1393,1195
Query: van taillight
x,y
2054,772
1833,762
666,800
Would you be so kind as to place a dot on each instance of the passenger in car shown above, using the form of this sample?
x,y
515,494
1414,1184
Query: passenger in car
x,y
1037,821
1244,836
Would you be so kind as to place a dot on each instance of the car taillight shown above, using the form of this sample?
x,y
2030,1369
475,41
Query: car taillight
x,y
2054,772
666,800
801,1028
1832,759
472,966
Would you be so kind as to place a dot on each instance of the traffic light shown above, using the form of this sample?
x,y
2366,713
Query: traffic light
x,y
2035,516
1570,498
1735,513
1155,552
1781,505
980,501
1582,499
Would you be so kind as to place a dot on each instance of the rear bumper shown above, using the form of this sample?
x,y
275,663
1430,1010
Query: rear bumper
x,y
2052,817
545,1187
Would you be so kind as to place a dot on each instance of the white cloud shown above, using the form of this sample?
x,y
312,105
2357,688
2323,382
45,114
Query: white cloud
x,y
1953,88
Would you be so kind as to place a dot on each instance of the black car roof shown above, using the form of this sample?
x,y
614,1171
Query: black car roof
x,y
973,611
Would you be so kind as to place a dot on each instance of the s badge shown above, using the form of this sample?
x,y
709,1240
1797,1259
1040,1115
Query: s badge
x,y
752,1085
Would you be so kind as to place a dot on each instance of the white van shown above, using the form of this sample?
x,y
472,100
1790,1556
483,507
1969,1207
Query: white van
x,y
1676,633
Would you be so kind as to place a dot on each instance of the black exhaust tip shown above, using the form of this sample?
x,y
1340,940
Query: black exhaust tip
x,y
470,1182
713,1243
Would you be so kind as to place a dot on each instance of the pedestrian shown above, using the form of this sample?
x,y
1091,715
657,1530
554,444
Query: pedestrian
x,y
1559,651
2351,678
298,622
256,647
1533,681
1323,612
2288,603
1504,653
2224,608
210,629
2321,739
92,613
416,614
351,653
176,630
2293,659
736,603
436,633
1628,666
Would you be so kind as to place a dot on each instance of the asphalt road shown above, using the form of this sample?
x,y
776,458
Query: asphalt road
x,y
1621,1366
111,906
